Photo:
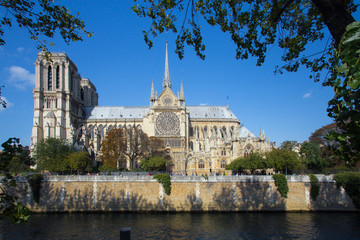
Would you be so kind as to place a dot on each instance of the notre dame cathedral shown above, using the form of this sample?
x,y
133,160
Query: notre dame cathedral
x,y
200,139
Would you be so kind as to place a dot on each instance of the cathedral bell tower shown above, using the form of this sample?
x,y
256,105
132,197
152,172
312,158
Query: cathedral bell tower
x,y
59,97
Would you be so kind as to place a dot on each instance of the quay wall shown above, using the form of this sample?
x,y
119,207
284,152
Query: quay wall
x,y
188,193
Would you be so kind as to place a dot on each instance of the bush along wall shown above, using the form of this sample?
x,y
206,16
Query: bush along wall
x,y
315,187
350,181
35,184
164,179
281,184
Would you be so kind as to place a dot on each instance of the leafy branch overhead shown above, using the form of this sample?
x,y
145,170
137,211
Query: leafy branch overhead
x,y
41,18
254,26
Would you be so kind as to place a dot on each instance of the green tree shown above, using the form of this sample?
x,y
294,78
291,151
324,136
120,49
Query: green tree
x,y
51,154
283,160
112,149
327,147
129,143
345,106
154,164
251,162
289,145
311,154
14,152
78,161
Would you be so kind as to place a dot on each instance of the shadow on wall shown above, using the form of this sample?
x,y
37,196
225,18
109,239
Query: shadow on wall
x,y
55,198
251,195
331,198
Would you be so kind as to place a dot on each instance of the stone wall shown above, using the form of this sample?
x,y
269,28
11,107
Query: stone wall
x,y
188,193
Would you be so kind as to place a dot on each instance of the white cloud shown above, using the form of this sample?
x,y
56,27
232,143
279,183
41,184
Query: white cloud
x,y
20,49
8,104
307,95
21,77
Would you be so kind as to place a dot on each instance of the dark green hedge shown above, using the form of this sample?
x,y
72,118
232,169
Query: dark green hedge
x,y
315,187
350,181
281,184
164,179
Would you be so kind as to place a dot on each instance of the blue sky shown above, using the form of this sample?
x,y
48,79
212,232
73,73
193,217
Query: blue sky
x,y
117,60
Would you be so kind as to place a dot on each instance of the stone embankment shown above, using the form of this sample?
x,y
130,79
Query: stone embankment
x,y
188,193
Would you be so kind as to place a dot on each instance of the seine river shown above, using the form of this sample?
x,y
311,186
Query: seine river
x,y
187,226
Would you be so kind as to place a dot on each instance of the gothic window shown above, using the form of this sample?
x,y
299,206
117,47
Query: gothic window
x,y
49,78
71,83
223,163
191,145
57,77
82,94
248,150
214,132
201,164
191,131
197,132
205,132
223,152
223,132
48,103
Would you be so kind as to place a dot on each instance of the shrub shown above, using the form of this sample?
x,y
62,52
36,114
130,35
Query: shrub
x,y
315,187
164,179
35,184
350,181
281,184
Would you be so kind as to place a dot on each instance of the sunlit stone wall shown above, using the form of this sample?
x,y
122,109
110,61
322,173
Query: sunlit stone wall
x,y
188,193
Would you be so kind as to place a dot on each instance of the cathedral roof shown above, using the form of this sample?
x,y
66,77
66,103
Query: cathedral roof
x,y
211,112
120,112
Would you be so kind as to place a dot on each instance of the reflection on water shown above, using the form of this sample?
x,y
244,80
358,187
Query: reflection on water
x,y
187,226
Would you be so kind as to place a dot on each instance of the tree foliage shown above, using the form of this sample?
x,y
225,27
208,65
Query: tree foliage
x,y
78,161
345,106
42,19
51,154
154,163
15,157
310,152
283,160
327,147
9,205
251,162
350,181
129,143
289,145
254,26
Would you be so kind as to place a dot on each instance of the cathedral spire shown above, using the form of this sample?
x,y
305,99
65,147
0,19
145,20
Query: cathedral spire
x,y
166,82
182,97
152,96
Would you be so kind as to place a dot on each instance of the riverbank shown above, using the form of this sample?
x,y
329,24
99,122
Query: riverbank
x,y
188,193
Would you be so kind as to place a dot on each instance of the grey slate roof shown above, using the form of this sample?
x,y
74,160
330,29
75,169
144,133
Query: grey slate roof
x,y
211,112
115,112
121,112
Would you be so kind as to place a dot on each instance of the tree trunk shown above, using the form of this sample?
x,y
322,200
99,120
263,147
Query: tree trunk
x,y
336,16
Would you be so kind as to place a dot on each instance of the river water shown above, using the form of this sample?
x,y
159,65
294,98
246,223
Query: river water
x,y
274,225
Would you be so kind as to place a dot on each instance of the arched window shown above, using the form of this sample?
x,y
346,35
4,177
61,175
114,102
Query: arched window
x,y
223,163
57,77
191,146
223,132
201,164
82,94
248,150
49,78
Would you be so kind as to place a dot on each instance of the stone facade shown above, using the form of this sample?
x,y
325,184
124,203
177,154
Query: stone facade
x,y
200,139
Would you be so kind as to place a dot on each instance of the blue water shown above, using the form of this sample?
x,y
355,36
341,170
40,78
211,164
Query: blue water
x,y
278,225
